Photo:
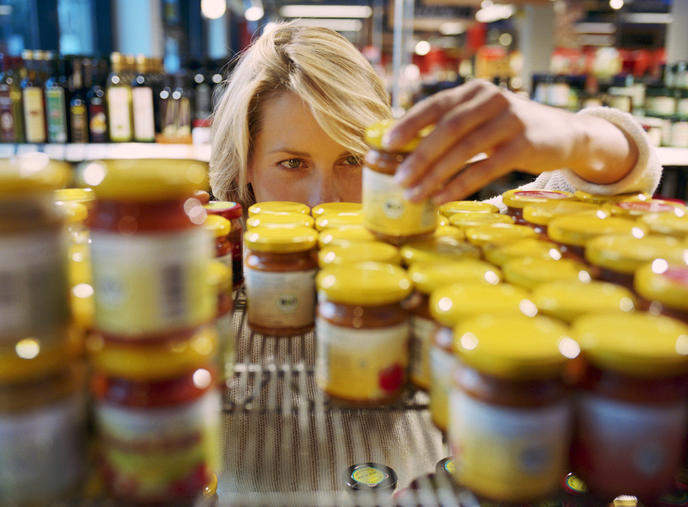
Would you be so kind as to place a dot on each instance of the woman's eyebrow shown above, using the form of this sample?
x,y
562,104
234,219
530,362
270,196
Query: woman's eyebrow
x,y
289,150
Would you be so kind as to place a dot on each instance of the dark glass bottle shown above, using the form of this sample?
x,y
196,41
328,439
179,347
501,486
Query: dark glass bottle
x,y
11,129
78,107
95,97
202,95
56,100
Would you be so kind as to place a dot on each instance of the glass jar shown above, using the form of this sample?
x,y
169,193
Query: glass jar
x,y
572,232
538,216
450,305
663,288
83,196
362,332
530,273
387,212
219,228
467,220
279,273
74,215
220,279
617,257
148,250
344,236
659,101
534,248
509,397
375,251
42,438
427,277
438,249
498,234
517,199
331,221
336,208
30,356
278,208
667,224
449,209
568,301
160,440
233,212
284,220
631,408
80,284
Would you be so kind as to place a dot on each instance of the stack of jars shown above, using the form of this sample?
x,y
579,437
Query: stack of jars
x,y
156,400
42,402
233,212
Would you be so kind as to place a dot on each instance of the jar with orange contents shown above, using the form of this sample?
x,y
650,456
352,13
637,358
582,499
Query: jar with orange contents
x,y
233,212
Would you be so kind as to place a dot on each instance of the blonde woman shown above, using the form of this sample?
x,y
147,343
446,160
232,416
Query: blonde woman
x,y
291,121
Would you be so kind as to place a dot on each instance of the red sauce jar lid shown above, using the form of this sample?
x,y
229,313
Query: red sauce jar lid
x,y
225,209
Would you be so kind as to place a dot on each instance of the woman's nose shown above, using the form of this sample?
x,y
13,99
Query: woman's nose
x,y
323,190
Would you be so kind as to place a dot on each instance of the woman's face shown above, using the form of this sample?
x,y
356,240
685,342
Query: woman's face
x,y
295,160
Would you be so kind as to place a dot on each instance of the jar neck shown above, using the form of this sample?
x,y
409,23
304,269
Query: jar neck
x,y
361,317
383,161
132,217
275,261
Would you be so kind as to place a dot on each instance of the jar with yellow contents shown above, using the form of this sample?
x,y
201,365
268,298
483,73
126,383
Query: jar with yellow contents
x,y
530,273
280,221
279,273
674,224
74,215
438,249
278,208
387,212
362,332
450,305
428,277
511,418
517,199
663,289
374,251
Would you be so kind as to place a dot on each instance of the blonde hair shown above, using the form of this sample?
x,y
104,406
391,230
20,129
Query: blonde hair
x,y
319,65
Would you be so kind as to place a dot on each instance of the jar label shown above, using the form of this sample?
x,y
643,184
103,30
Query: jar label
x,y
633,440
387,211
361,364
663,105
163,453
508,452
42,452
280,300
119,113
151,283
422,331
442,367
32,283
34,115
682,107
142,106
679,134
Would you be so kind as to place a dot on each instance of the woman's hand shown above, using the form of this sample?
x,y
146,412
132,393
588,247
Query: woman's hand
x,y
514,132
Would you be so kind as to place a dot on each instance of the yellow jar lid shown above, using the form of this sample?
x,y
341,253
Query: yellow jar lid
x,y
144,180
336,221
154,361
535,248
443,221
82,195
543,213
375,251
515,347
34,356
636,344
218,226
530,273
32,173
278,207
219,277
449,231
580,228
452,208
73,212
336,208
663,282
264,239
636,209
374,134
518,198
466,220
570,300
438,249
429,276
625,254
452,303
365,284
670,224
344,236
286,220
498,234
604,199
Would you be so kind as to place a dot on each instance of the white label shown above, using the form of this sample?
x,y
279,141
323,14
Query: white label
x,y
119,115
34,115
663,105
682,107
144,124
422,331
42,452
361,364
679,134
32,282
280,300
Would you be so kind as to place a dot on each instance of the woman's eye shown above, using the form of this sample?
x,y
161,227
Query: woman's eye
x,y
352,160
292,163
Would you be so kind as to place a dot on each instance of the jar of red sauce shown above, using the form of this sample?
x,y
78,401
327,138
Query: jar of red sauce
x,y
517,199
632,409
233,212
219,228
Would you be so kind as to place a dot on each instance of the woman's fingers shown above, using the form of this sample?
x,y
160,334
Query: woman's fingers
x,y
486,137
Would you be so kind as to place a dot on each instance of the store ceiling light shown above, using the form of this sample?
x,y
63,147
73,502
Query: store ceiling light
x,y
616,4
213,9
490,13
338,25
452,28
326,11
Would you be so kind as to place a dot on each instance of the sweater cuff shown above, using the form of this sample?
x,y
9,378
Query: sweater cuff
x,y
643,177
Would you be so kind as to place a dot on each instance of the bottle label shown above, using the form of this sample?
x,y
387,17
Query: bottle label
x,y
57,119
119,113
160,454
422,331
361,364
34,115
7,124
184,118
280,300
144,125
150,283
36,470
387,211
98,123
79,121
